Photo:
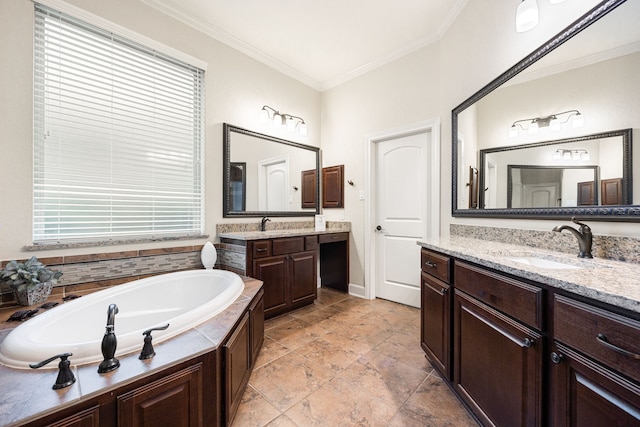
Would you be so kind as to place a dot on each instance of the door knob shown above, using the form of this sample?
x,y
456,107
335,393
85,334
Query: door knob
x,y
379,228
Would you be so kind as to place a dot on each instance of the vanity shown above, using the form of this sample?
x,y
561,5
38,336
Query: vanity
x,y
532,337
290,262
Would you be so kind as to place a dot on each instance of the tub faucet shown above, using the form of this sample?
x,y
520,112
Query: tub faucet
x,y
263,223
583,234
109,343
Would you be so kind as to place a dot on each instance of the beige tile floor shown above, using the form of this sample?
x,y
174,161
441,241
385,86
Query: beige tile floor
x,y
346,361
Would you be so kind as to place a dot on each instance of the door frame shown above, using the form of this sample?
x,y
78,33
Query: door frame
x,y
433,193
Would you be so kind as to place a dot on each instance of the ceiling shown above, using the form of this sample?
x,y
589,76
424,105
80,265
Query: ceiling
x,y
320,43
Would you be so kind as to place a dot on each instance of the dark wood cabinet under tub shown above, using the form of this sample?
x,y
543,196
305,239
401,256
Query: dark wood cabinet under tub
x,y
526,353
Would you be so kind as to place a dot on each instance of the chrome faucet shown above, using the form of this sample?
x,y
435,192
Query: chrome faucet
x,y
583,234
263,223
109,343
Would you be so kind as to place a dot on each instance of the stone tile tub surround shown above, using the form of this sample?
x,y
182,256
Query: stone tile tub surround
x,y
608,281
28,393
88,273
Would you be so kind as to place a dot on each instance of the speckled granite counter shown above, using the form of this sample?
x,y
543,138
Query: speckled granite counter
x,y
27,393
612,282
250,231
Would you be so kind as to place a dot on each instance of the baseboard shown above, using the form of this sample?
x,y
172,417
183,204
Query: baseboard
x,y
357,290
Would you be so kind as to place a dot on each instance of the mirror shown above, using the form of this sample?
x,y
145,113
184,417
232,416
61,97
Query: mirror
x,y
589,68
561,173
266,176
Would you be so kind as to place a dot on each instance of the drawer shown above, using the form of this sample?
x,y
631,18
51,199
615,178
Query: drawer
x,y
435,264
333,237
609,338
311,243
287,245
261,248
517,299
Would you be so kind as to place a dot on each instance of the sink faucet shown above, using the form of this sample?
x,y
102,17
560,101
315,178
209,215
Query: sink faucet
x,y
263,223
109,343
583,234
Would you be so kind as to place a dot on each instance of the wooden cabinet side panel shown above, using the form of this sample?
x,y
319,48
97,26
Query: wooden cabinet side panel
x,y
256,325
237,367
175,400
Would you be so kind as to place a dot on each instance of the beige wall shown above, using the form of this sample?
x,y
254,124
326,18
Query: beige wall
x,y
425,84
477,47
236,88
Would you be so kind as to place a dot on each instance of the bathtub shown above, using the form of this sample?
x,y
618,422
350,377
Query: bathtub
x,y
182,299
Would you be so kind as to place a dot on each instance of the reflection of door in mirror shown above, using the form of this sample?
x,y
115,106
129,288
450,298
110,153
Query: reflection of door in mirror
x,y
308,180
238,185
473,187
273,181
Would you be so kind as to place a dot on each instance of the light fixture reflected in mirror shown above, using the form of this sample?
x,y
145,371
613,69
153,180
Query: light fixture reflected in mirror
x,y
564,154
526,15
552,121
278,120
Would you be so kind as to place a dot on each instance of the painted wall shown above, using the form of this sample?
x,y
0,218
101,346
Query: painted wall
x,y
236,88
479,45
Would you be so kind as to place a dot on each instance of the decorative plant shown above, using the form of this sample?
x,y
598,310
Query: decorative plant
x,y
28,275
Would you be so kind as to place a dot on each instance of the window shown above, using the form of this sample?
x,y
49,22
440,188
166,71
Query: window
x,y
118,136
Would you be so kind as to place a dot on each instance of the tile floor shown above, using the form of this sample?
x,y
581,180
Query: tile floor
x,y
346,361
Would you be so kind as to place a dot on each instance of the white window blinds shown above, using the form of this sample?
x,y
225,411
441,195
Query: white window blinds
x,y
118,136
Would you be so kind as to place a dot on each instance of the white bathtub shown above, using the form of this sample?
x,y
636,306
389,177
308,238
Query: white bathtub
x,y
182,299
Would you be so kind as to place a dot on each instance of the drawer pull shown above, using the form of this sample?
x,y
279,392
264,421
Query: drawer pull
x,y
261,249
431,264
603,340
556,357
528,342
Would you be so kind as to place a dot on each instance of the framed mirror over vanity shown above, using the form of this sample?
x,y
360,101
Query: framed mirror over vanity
x,y
552,137
268,176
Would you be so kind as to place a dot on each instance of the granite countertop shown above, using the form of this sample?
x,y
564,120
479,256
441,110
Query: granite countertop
x,y
612,282
270,234
27,394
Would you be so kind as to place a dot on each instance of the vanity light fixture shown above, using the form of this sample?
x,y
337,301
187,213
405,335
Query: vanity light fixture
x,y
565,154
278,120
526,15
552,121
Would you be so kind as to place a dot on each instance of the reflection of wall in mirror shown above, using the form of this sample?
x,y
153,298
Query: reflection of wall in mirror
x,y
467,152
256,152
607,93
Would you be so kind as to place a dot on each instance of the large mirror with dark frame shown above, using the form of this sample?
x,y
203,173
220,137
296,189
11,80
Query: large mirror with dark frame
x,y
552,137
265,175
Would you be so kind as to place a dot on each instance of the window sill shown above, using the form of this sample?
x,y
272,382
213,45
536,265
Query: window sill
x,y
109,242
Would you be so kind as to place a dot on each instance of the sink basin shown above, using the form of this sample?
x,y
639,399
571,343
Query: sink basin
x,y
543,263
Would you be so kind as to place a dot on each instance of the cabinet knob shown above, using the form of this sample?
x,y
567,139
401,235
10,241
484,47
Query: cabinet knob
x,y
528,342
443,291
556,358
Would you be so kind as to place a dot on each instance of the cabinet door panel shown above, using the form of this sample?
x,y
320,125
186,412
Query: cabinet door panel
x,y
303,274
588,394
497,365
435,322
237,367
175,400
273,273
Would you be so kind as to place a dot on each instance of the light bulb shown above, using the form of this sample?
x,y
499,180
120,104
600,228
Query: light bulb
x,y
264,116
303,129
566,155
526,15
586,156
557,155
533,128
554,124
513,132
277,120
578,121
291,124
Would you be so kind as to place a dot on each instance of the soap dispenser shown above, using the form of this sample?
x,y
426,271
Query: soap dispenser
x,y
208,255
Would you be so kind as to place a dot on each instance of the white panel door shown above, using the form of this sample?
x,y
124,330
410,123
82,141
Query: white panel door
x,y
401,211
